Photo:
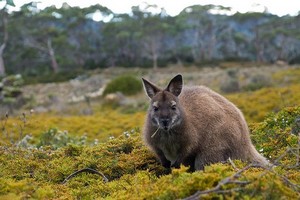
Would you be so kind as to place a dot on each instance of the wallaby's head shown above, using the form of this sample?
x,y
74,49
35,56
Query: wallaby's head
x,y
165,111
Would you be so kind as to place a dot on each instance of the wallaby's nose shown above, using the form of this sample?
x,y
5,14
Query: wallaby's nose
x,y
165,123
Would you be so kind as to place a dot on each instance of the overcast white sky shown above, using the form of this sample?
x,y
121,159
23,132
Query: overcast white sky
x,y
172,7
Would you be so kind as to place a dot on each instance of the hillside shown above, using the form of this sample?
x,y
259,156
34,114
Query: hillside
x,y
196,36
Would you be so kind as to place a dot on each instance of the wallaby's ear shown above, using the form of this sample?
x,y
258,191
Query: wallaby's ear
x,y
150,88
175,85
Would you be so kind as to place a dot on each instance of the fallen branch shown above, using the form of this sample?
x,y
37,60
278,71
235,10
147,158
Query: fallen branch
x,y
233,179
89,170
294,186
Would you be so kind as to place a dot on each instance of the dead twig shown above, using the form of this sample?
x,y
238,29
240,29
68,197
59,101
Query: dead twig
x,y
298,151
283,178
232,164
89,170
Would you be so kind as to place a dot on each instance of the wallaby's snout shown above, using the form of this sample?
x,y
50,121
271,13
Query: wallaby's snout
x,y
164,123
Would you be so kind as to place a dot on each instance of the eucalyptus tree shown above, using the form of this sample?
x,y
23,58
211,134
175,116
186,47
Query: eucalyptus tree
x,y
83,34
154,29
202,30
4,33
279,39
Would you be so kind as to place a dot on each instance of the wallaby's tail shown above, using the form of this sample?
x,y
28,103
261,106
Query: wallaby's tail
x,y
256,157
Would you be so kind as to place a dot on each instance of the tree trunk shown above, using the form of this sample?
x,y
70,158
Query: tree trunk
x,y
154,46
258,47
3,45
54,64
2,66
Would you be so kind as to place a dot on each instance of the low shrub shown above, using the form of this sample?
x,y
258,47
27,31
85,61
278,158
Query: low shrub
x,y
126,84
51,77
56,139
257,104
231,85
257,82
10,88
134,173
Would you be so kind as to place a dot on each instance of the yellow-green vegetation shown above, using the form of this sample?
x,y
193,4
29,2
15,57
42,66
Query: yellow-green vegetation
x,y
283,91
257,104
39,151
289,76
102,125
134,173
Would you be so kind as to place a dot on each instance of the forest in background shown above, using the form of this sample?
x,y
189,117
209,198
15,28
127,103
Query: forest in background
x,y
67,39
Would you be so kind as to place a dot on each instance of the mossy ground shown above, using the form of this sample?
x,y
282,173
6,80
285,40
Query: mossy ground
x,y
35,168
104,124
134,173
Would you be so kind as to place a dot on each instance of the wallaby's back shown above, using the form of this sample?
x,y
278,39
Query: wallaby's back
x,y
218,125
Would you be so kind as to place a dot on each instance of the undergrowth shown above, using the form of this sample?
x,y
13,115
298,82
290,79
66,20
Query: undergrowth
x,y
103,125
40,172
256,105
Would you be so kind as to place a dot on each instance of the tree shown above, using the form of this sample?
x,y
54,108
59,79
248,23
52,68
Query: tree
x,y
4,21
41,38
153,32
202,30
3,16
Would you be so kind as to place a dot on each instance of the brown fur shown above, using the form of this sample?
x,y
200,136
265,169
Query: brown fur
x,y
195,126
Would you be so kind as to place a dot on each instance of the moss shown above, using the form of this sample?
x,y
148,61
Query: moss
x,y
134,173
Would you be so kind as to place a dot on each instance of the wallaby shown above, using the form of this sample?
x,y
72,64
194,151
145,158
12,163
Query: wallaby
x,y
195,126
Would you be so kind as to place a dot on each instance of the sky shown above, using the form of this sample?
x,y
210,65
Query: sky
x,y
278,7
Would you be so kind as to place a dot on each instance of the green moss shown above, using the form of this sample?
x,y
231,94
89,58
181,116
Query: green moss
x,y
134,173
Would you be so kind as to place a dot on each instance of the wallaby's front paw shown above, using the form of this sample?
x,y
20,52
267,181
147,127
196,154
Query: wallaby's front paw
x,y
176,164
166,164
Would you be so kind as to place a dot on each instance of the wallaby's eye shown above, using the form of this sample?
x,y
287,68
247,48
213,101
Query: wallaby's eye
x,y
173,107
155,108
